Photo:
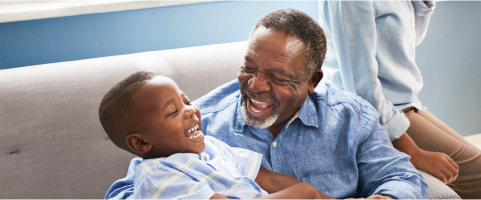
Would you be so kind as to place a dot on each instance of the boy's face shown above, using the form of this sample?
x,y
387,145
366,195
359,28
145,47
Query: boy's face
x,y
167,119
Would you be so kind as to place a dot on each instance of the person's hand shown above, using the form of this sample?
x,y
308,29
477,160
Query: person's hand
x,y
437,164
374,197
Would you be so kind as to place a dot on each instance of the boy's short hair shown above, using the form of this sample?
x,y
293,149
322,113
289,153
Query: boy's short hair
x,y
117,103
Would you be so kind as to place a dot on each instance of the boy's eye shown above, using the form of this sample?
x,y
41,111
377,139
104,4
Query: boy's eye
x,y
173,113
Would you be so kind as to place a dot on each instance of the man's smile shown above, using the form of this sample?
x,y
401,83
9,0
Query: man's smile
x,y
258,108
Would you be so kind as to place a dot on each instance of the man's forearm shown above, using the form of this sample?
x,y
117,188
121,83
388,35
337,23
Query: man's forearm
x,y
274,182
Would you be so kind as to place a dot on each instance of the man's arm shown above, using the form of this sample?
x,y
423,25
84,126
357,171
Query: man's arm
x,y
281,186
382,169
298,191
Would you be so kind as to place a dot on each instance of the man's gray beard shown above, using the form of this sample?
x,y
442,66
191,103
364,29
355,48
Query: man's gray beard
x,y
255,122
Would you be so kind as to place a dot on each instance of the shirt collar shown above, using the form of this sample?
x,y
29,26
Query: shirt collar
x,y
307,114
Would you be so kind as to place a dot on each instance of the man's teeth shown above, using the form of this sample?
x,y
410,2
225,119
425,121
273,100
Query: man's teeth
x,y
258,102
255,110
193,128
199,133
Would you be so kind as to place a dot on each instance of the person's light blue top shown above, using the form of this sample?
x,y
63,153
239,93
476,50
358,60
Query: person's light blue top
x,y
335,143
371,53
221,169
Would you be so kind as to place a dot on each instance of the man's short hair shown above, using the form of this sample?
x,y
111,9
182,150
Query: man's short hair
x,y
117,103
296,23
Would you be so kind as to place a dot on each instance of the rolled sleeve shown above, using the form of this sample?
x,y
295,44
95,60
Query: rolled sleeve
x,y
397,125
401,186
423,12
424,8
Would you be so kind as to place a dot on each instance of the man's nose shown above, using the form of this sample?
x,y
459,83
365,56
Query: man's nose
x,y
259,83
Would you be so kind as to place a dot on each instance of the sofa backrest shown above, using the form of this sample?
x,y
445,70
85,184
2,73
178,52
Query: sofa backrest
x,y
52,142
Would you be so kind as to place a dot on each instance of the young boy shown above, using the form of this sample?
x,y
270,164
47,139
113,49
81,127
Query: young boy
x,y
149,116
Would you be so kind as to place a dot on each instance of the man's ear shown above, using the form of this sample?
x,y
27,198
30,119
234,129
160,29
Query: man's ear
x,y
137,143
315,79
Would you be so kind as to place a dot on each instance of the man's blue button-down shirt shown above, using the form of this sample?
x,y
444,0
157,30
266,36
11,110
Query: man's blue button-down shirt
x,y
335,143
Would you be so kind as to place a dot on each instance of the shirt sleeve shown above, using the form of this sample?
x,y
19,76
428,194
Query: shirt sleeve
x,y
168,183
124,188
352,28
383,169
423,12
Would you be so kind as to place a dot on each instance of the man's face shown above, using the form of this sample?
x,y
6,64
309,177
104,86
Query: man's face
x,y
273,79
167,119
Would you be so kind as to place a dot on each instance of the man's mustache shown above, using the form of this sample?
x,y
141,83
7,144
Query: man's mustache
x,y
264,96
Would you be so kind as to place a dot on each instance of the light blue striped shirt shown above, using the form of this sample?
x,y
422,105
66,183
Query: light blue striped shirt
x,y
371,53
221,169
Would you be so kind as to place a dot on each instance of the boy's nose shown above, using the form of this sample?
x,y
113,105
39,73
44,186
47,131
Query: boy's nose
x,y
189,111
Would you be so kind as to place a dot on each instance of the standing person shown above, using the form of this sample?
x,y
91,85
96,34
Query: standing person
x,y
371,53
328,138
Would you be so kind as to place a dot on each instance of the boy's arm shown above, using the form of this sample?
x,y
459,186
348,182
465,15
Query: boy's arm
x,y
274,183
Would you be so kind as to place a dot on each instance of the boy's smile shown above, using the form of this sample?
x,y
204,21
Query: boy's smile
x,y
166,119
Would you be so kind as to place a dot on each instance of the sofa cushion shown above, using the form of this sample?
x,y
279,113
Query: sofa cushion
x,y
437,189
53,143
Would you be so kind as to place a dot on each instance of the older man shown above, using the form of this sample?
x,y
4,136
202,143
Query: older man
x,y
329,138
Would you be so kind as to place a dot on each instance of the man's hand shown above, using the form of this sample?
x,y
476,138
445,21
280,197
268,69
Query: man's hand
x,y
437,164
375,197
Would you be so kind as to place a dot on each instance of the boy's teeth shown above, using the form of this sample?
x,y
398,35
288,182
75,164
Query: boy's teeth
x,y
193,128
196,135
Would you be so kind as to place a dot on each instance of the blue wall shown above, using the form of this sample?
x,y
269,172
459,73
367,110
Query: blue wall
x,y
448,58
450,61
96,35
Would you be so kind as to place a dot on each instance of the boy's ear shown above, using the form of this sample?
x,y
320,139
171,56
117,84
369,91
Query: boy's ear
x,y
137,143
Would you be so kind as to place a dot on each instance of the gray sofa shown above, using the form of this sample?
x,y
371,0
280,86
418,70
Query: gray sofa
x,y
52,142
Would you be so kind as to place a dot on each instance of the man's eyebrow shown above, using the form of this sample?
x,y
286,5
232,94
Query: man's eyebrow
x,y
277,71
248,59
281,72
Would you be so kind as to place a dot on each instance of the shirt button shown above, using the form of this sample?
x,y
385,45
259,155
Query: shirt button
x,y
414,25
205,158
274,144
